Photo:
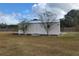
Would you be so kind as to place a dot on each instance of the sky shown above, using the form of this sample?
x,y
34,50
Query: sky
x,y
13,13
57,10
16,7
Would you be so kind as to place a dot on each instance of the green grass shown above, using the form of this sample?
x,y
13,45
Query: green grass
x,y
23,45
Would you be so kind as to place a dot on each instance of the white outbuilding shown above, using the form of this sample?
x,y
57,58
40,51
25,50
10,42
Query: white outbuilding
x,y
37,27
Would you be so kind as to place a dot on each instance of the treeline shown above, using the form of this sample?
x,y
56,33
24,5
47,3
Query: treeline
x,y
71,19
5,27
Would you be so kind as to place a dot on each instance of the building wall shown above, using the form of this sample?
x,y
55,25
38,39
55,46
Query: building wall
x,y
38,28
54,29
20,31
35,29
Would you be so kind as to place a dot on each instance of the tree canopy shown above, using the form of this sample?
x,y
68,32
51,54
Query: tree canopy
x,y
71,19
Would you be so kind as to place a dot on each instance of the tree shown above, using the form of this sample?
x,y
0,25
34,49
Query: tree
x,y
72,18
46,19
68,22
23,25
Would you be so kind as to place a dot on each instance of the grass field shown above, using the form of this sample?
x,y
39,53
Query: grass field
x,y
23,45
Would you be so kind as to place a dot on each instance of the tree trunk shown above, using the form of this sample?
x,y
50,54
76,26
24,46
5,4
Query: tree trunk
x,y
47,28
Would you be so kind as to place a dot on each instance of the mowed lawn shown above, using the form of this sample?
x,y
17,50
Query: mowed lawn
x,y
23,45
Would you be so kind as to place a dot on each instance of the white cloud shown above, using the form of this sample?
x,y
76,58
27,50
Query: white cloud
x,y
64,6
8,19
30,16
60,9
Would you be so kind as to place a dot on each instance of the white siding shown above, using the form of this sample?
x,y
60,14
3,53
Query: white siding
x,y
54,29
20,32
36,28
